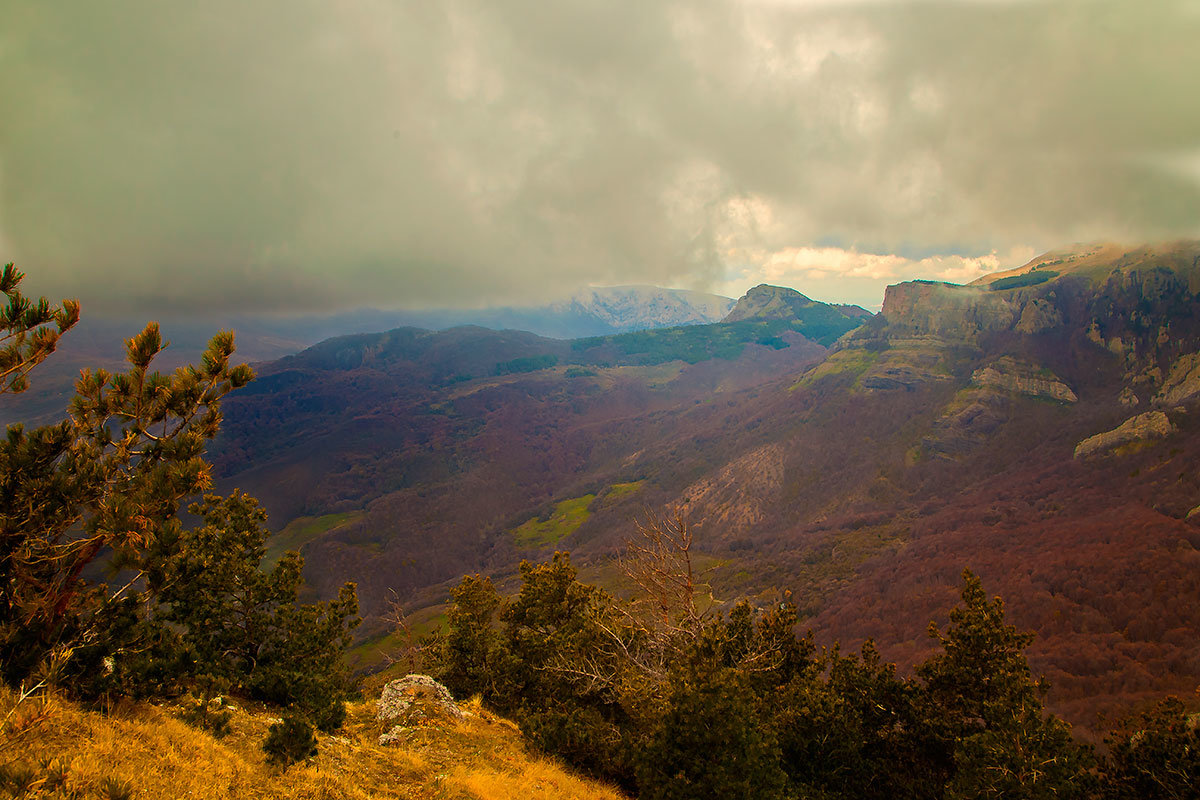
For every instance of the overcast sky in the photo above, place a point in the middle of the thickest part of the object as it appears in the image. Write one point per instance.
(309, 154)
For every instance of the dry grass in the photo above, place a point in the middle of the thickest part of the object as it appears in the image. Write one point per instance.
(149, 749)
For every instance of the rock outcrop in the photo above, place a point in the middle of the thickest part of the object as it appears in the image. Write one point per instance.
(947, 310)
(1142, 428)
(890, 376)
(966, 422)
(1182, 384)
(1009, 375)
(986, 404)
(412, 700)
(1039, 316)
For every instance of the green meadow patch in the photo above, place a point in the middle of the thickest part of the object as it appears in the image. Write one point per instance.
(619, 491)
(303, 530)
(565, 520)
(854, 361)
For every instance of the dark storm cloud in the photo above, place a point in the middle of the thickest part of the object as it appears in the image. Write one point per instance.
(315, 154)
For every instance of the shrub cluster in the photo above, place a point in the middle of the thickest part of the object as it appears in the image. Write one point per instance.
(736, 705)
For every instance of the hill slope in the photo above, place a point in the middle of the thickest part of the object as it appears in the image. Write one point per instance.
(149, 751)
(940, 434)
(98, 341)
(435, 454)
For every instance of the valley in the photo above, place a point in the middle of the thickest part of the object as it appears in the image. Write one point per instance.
(856, 471)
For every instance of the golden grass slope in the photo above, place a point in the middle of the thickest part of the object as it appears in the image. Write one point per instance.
(148, 749)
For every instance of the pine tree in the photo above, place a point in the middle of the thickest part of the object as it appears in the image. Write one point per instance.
(243, 627)
(1155, 753)
(110, 477)
(985, 708)
(466, 657)
(30, 330)
(109, 482)
(711, 743)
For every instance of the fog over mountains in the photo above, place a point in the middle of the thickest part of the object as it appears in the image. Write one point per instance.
(594, 311)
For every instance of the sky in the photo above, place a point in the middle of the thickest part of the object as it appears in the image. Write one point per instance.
(319, 155)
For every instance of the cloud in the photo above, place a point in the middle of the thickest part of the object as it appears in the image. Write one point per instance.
(306, 154)
(848, 275)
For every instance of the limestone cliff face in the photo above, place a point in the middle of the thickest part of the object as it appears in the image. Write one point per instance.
(988, 402)
(1142, 428)
(947, 310)
(1182, 384)
(1009, 375)
(1039, 316)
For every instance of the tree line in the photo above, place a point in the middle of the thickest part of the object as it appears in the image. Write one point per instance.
(672, 700)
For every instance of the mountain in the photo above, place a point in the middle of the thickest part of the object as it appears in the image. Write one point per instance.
(98, 340)
(633, 308)
(589, 312)
(414, 456)
(777, 302)
(1034, 426)
(819, 321)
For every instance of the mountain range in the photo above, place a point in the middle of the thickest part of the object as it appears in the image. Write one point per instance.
(1034, 426)
(98, 340)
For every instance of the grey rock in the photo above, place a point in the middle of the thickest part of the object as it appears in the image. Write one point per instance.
(1142, 428)
(1038, 316)
(1010, 375)
(414, 698)
(1182, 384)
(394, 736)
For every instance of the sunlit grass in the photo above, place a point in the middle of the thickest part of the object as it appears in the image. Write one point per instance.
(148, 748)
(619, 491)
(303, 530)
(565, 520)
(853, 361)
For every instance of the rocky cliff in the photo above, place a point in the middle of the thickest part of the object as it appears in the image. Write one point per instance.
(947, 310)
(1141, 428)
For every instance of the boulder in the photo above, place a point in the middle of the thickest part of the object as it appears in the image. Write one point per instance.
(414, 699)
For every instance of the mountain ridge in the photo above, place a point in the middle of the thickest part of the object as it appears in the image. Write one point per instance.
(99, 340)
(860, 478)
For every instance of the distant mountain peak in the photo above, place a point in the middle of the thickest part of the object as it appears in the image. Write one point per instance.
(629, 308)
(779, 302)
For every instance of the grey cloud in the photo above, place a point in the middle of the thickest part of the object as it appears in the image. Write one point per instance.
(304, 154)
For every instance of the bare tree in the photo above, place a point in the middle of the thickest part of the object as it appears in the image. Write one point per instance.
(658, 560)
(410, 650)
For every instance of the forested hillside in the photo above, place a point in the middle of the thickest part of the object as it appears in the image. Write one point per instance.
(990, 425)
(941, 434)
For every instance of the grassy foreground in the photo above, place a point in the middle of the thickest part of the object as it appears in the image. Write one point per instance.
(141, 750)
